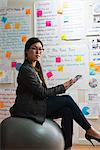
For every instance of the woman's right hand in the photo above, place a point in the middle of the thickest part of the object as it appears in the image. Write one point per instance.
(68, 83)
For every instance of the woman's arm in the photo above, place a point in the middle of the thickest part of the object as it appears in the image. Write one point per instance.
(28, 78)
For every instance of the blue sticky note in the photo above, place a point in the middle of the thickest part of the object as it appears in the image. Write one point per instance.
(92, 72)
(4, 19)
(18, 65)
(85, 110)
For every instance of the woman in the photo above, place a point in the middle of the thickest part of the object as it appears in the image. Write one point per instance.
(35, 101)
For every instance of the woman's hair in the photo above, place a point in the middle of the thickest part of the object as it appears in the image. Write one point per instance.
(28, 44)
(38, 67)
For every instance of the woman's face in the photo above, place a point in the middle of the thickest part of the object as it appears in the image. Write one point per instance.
(34, 52)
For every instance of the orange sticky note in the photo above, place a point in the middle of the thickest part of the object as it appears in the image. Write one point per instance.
(1, 73)
(8, 54)
(7, 26)
(17, 25)
(97, 68)
(24, 38)
(28, 11)
(2, 105)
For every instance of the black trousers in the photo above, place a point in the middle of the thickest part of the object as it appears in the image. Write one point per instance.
(64, 107)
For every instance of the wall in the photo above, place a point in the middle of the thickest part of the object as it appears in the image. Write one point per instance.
(68, 53)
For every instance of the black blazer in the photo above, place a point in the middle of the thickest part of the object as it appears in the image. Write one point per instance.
(31, 95)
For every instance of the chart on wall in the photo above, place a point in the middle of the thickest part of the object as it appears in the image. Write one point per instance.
(63, 62)
(56, 21)
(14, 30)
(94, 18)
(94, 62)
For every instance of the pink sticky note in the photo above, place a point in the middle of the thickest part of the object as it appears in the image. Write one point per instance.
(13, 64)
(58, 59)
(49, 74)
(39, 13)
(48, 23)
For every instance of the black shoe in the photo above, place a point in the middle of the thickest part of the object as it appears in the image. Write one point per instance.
(69, 148)
(89, 138)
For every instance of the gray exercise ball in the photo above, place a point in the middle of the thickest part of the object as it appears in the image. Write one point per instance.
(25, 134)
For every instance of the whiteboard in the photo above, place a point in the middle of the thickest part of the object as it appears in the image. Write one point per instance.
(63, 62)
(15, 29)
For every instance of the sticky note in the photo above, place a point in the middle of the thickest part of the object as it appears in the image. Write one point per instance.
(58, 59)
(7, 26)
(17, 25)
(28, 11)
(66, 19)
(65, 5)
(91, 65)
(92, 72)
(59, 11)
(2, 105)
(13, 64)
(48, 23)
(78, 58)
(18, 65)
(1, 73)
(39, 13)
(8, 54)
(97, 69)
(49, 74)
(63, 37)
(60, 68)
(4, 19)
(24, 38)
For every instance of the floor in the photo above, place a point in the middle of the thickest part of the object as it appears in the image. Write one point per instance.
(78, 147)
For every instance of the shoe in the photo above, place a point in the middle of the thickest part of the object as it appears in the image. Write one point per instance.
(69, 148)
(90, 137)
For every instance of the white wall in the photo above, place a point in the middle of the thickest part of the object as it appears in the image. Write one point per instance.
(78, 132)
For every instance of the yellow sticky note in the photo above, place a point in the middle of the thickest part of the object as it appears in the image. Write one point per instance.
(59, 11)
(60, 68)
(7, 26)
(63, 37)
(17, 25)
(91, 65)
(78, 58)
(65, 5)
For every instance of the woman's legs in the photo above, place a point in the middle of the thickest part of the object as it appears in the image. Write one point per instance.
(64, 107)
(57, 109)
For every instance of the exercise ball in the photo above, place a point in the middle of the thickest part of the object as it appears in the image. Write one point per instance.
(25, 134)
